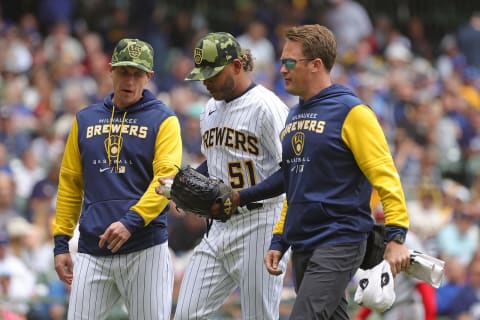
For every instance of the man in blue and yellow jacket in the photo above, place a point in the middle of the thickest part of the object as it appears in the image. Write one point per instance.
(114, 155)
(333, 152)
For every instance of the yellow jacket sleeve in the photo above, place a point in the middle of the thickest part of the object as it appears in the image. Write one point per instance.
(278, 228)
(167, 159)
(363, 135)
(70, 187)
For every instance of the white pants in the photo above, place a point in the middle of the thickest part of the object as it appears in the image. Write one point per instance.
(144, 279)
(231, 257)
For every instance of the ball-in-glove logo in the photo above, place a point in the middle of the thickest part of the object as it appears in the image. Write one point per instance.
(227, 206)
(298, 142)
(198, 55)
(134, 50)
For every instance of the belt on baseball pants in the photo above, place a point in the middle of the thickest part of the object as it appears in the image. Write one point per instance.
(254, 205)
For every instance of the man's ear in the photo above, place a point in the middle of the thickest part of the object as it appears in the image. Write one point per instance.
(238, 65)
(318, 63)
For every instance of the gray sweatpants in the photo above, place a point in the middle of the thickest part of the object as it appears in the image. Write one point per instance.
(321, 278)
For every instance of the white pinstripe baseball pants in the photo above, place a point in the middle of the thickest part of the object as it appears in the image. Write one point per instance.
(144, 279)
(232, 257)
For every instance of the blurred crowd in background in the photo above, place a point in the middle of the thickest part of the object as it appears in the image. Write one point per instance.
(425, 93)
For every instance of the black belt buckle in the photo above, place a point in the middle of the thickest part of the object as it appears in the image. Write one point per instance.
(254, 205)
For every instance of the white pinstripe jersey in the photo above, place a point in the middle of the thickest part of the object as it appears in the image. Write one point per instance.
(240, 138)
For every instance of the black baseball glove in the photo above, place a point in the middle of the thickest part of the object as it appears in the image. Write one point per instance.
(193, 192)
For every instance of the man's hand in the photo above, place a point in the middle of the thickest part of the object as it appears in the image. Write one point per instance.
(164, 181)
(271, 260)
(64, 267)
(397, 256)
(217, 207)
(115, 236)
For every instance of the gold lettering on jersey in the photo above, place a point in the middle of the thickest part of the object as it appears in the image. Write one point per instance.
(219, 135)
(252, 145)
(230, 138)
(316, 126)
(298, 142)
(127, 129)
(240, 141)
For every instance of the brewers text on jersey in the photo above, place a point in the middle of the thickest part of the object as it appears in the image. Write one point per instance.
(231, 138)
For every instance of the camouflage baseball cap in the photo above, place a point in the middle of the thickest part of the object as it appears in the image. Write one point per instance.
(212, 53)
(133, 53)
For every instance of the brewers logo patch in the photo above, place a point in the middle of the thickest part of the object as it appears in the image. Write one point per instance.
(198, 55)
(298, 142)
(134, 50)
(113, 145)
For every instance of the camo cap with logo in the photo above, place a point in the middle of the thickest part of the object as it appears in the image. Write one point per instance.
(133, 53)
(212, 53)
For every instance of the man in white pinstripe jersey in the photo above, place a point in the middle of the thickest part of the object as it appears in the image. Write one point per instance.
(240, 128)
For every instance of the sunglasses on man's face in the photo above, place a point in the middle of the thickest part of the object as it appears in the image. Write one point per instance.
(291, 63)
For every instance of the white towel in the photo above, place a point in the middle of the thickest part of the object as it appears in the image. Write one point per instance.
(426, 268)
(375, 288)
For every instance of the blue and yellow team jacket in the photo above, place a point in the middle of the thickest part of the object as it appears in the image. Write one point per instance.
(112, 161)
(334, 150)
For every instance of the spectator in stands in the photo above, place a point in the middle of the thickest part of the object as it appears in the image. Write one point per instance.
(255, 37)
(349, 22)
(73, 99)
(26, 172)
(60, 44)
(47, 145)
(455, 280)
(96, 60)
(450, 60)
(426, 216)
(15, 140)
(18, 58)
(21, 284)
(39, 95)
(43, 195)
(52, 11)
(4, 159)
(459, 238)
(7, 199)
(421, 46)
(466, 303)
(448, 134)
(472, 152)
(468, 36)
